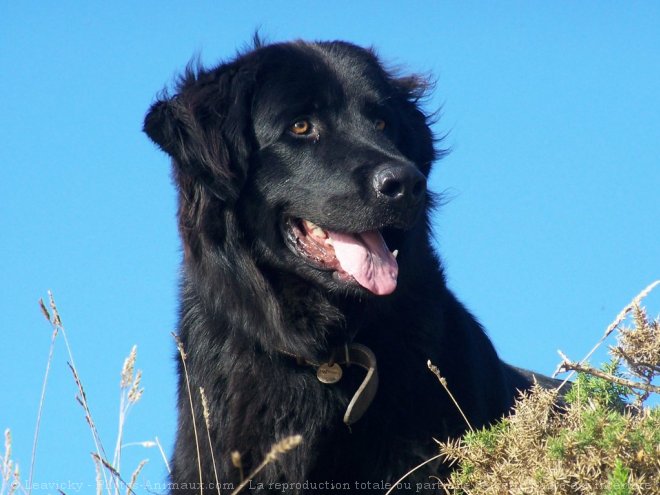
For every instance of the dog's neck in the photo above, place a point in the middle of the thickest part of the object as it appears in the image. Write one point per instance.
(303, 319)
(310, 311)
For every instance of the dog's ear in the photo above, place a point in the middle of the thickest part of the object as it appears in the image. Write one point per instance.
(205, 127)
(160, 125)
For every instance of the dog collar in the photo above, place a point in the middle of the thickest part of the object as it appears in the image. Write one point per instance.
(331, 371)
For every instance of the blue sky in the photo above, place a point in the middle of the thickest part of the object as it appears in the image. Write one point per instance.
(550, 228)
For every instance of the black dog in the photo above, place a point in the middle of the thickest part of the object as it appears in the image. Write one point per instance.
(303, 209)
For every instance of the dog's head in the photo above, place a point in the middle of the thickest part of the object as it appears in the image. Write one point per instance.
(311, 154)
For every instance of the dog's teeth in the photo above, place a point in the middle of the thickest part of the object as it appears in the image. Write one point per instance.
(315, 230)
(395, 253)
(309, 225)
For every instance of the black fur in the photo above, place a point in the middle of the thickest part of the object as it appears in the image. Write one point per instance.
(249, 302)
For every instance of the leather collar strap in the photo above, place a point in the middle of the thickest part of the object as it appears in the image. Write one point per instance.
(363, 357)
(348, 355)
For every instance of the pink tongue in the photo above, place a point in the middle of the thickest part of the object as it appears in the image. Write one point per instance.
(365, 256)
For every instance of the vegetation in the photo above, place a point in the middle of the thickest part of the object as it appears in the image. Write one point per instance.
(599, 437)
(110, 479)
(596, 435)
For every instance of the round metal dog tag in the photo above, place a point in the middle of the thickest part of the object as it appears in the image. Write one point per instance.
(329, 373)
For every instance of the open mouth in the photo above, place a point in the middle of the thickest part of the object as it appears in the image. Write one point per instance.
(361, 258)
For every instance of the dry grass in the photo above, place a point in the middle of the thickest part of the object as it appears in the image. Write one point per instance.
(443, 381)
(207, 423)
(11, 475)
(109, 479)
(277, 450)
(603, 440)
(184, 357)
(582, 449)
(598, 442)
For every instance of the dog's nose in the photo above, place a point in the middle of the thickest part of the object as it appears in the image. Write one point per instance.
(399, 182)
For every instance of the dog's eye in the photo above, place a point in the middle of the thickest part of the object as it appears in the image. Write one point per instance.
(301, 127)
(380, 124)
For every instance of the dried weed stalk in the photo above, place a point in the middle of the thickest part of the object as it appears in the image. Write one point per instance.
(207, 422)
(443, 381)
(184, 357)
(58, 328)
(107, 473)
(42, 398)
(9, 471)
(130, 393)
(638, 350)
(277, 450)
